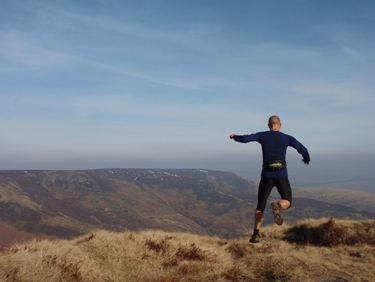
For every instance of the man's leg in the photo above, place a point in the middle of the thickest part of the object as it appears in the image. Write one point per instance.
(258, 219)
(264, 190)
(285, 191)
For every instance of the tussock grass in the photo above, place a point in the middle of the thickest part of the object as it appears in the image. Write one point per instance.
(312, 250)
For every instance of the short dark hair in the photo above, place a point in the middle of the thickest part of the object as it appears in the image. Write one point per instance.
(273, 120)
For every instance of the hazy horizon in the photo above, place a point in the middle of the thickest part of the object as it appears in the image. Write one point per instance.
(324, 173)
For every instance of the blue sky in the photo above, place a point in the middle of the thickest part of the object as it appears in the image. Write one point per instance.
(162, 84)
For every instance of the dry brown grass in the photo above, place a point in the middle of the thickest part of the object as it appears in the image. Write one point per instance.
(312, 250)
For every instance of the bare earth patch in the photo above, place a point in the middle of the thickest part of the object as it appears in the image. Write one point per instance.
(10, 236)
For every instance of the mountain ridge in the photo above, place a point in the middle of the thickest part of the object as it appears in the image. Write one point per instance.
(70, 203)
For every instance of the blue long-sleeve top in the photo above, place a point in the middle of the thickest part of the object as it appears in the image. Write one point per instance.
(274, 145)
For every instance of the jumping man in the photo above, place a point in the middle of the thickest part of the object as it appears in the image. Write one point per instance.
(274, 172)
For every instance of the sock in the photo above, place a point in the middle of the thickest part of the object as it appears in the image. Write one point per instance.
(256, 231)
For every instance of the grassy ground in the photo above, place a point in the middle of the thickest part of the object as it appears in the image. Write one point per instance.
(312, 250)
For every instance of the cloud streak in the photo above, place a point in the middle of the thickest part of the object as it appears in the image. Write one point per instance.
(18, 50)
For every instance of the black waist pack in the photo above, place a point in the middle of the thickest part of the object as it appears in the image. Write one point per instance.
(274, 164)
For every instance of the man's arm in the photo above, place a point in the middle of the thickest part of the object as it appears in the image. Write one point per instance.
(301, 150)
(245, 138)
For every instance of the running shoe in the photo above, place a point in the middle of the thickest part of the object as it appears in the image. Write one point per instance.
(278, 217)
(254, 238)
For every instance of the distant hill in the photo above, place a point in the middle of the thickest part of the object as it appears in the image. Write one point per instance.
(361, 201)
(356, 185)
(66, 204)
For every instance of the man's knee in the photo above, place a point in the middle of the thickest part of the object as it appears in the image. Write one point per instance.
(285, 204)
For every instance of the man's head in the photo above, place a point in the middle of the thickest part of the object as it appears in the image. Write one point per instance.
(274, 123)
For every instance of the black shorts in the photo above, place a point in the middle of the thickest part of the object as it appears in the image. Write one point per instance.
(265, 187)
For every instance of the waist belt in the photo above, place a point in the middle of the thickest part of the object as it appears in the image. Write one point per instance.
(274, 164)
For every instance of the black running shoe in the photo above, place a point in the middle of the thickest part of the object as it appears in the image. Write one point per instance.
(278, 217)
(254, 238)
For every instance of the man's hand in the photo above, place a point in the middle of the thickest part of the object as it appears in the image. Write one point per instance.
(232, 135)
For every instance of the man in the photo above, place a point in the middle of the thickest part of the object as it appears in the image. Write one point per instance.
(274, 172)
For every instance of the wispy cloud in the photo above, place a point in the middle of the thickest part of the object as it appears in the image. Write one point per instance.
(22, 51)
(337, 95)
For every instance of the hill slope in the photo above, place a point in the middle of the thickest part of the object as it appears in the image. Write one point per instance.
(358, 200)
(313, 250)
(71, 203)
